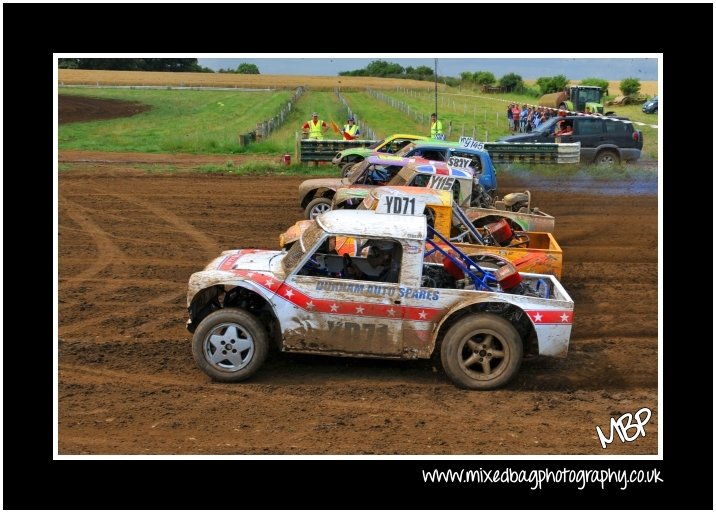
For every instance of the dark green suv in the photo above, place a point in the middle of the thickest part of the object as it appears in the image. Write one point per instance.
(604, 140)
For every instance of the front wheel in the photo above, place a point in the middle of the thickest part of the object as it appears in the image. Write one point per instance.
(317, 206)
(346, 169)
(607, 158)
(481, 352)
(230, 345)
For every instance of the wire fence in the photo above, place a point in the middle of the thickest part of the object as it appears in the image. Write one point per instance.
(266, 128)
(420, 117)
(485, 121)
(366, 131)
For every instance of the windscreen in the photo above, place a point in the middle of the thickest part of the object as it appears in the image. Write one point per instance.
(308, 240)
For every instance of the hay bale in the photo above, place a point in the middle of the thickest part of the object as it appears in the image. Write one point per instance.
(619, 100)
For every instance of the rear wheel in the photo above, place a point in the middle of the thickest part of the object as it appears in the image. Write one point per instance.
(230, 345)
(481, 352)
(317, 206)
(607, 158)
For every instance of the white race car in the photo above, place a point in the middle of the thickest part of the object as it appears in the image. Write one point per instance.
(386, 302)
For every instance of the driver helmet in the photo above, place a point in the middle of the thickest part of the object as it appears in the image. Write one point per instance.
(379, 249)
(374, 252)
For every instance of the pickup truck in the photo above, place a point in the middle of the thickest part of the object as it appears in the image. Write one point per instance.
(529, 251)
(305, 300)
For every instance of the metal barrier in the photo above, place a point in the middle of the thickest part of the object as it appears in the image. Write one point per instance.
(310, 150)
(535, 153)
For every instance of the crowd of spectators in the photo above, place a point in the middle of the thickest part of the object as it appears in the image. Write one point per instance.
(527, 118)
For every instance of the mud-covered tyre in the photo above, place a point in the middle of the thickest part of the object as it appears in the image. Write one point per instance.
(607, 158)
(317, 206)
(230, 345)
(346, 169)
(481, 352)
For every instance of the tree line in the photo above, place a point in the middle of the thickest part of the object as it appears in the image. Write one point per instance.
(122, 64)
(510, 82)
(176, 65)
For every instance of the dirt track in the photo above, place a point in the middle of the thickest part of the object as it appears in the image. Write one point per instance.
(128, 241)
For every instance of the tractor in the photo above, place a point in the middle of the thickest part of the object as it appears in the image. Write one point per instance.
(585, 99)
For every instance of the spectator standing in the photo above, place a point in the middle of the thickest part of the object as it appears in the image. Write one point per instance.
(351, 130)
(516, 117)
(314, 127)
(544, 115)
(528, 120)
(510, 120)
(436, 127)
(523, 118)
(536, 119)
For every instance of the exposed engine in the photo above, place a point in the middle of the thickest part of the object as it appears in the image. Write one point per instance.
(480, 197)
(501, 234)
(515, 202)
(435, 276)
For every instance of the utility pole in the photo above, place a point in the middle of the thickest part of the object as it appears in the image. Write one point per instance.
(436, 91)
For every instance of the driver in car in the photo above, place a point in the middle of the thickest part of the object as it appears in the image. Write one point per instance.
(378, 176)
(380, 258)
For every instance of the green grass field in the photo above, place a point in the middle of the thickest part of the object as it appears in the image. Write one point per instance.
(179, 121)
(210, 122)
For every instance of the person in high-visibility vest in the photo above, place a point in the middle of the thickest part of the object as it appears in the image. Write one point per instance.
(436, 128)
(314, 127)
(351, 130)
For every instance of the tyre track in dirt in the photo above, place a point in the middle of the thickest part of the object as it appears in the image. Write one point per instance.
(170, 299)
(163, 215)
(127, 355)
(106, 248)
